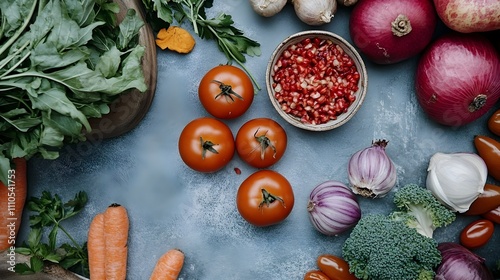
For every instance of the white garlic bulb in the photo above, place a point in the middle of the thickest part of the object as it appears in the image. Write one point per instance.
(267, 8)
(315, 12)
(456, 179)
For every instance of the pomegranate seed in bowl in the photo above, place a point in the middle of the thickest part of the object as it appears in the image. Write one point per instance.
(316, 80)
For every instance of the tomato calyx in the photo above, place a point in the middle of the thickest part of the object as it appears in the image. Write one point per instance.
(226, 91)
(264, 143)
(268, 198)
(207, 146)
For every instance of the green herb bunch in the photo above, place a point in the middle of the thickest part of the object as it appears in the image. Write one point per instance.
(50, 214)
(230, 40)
(62, 62)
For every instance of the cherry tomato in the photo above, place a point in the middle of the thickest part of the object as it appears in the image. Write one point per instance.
(261, 142)
(494, 122)
(265, 198)
(315, 275)
(489, 150)
(488, 200)
(493, 215)
(477, 233)
(226, 92)
(334, 267)
(206, 144)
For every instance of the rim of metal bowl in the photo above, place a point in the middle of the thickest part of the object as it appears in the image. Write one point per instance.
(349, 49)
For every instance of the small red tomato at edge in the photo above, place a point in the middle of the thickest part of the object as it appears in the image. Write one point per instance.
(315, 275)
(334, 267)
(477, 234)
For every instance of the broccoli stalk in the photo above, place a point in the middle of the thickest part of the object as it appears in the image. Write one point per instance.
(380, 248)
(419, 209)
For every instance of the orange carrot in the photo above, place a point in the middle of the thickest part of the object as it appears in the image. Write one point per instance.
(116, 227)
(12, 199)
(168, 266)
(96, 247)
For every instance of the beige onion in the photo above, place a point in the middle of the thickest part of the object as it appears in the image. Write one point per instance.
(267, 8)
(315, 12)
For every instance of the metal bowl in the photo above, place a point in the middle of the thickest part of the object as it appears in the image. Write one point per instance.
(348, 49)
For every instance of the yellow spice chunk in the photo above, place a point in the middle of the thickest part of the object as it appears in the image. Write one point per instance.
(176, 39)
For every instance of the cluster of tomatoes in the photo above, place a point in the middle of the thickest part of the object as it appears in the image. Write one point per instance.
(207, 144)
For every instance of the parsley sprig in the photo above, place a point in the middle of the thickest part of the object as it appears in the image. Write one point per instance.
(50, 213)
(230, 40)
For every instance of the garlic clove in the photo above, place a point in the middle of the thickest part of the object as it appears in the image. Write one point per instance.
(456, 179)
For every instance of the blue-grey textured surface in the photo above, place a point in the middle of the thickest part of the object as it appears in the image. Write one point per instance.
(172, 206)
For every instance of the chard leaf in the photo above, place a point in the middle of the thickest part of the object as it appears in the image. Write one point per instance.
(63, 124)
(129, 28)
(109, 63)
(22, 124)
(4, 165)
(46, 56)
(81, 11)
(55, 99)
(51, 137)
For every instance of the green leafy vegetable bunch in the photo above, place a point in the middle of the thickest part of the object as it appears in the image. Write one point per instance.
(50, 212)
(230, 40)
(62, 62)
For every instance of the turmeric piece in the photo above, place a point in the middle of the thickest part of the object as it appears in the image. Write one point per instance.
(175, 38)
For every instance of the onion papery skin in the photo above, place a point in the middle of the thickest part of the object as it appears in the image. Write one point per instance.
(458, 78)
(371, 30)
(333, 208)
(467, 16)
(458, 263)
(371, 172)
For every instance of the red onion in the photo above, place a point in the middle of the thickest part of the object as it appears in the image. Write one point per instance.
(389, 31)
(458, 78)
(371, 172)
(333, 208)
(468, 16)
(460, 264)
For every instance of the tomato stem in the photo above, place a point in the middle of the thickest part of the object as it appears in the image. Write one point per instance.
(207, 146)
(268, 198)
(226, 91)
(264, 142)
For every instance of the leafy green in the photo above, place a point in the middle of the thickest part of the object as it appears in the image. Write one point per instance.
(50, 213)
(230, 40)
(61, 63)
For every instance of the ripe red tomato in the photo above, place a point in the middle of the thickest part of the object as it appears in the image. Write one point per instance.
(315, 275)
(226, 92)
(334, 267)
(477, 234)
(261, 142)
(493, 215)
(206, 144)
(265, 198)
(486, 201)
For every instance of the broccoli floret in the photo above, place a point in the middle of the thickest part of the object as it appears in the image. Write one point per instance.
(419, 209)
(381, 248)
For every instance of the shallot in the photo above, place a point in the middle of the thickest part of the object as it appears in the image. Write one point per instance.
(333, 208)
(371, 172)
